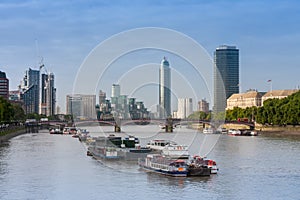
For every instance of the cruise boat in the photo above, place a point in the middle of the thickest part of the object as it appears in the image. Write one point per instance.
(160, 164)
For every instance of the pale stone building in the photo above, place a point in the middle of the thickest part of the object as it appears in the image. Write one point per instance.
(279, 94)
(244, 100)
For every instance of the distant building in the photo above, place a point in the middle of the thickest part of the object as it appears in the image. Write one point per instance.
(203, 106)
(4, 85)
(244, 100)
(81, 106)
(164, 89)
(226, 75)
(48, 95)
(30, 89)
(115, 90)
(185, 107)
(279, 94)
(102, 97)
(14, 95)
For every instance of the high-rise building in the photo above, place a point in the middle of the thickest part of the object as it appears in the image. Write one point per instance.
(115, 90)
(30, 89)
(102, 97)
(48, 95)
(81, 106)
(4, 85)
(203, 106)
(185, 107)
(226, 75)
(164, 89)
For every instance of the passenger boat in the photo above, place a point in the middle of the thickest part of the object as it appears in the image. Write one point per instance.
(164, 165)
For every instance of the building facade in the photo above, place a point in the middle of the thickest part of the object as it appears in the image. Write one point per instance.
(185, 108)
(164, 89)
(81, 106)
(279, 94)
(226, 75)
(203, 106)
(115, 90)
(4, 85)
(30, 89)
(48, 95)
(244, 100)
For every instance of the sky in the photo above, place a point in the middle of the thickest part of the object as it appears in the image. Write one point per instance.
(64, 33)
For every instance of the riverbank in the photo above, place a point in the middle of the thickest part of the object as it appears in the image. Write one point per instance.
(278, 130)
(11, 134)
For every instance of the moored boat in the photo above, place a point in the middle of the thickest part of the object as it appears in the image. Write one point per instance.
(160, 164)
(234, 132)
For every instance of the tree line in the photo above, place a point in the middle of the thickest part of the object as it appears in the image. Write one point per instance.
(10, 111)
(275, 111)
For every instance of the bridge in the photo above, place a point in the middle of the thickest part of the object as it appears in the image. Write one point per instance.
(168, 124)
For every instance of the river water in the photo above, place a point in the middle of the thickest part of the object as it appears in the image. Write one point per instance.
(44, 166)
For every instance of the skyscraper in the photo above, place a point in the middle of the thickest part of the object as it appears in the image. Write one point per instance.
(4, 85)
(115, 90)
(30, 87)
(164, 89)
(48, 99)
(226, 75)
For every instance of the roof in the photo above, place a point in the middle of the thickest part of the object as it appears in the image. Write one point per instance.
(250, 94)
(283, 93)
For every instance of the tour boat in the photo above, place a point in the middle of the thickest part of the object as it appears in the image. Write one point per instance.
(160, 164)
(208, 131)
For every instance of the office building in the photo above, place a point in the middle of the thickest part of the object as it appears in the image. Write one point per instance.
(81, 106)
(102, 97)
(164, 89)
(48, 95)
(185, 108)
(115, 90)
(203, 106)
(226, 75)
(4, 85)
(30, 89)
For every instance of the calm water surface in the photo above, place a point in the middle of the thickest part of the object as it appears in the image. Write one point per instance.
(44, 166)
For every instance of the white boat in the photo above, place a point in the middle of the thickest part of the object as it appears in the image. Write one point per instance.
(208, 131)
(234, 132)
(176, 151)
(158, 145)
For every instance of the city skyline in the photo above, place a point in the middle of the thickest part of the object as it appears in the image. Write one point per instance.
(64, 35)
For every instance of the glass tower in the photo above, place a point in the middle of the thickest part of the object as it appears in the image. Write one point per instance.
(164, 89)
(226, 75)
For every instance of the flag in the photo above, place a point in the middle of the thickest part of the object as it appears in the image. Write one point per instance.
(269, 80)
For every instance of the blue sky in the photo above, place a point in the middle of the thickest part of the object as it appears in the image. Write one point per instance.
(266, 32)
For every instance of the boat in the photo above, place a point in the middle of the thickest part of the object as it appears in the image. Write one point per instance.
(55, 131)
(70, 130)
(249, 133)
(161, 164)
(174, 150)
(128, 149)
(208, 131)
(234, 132)
(159, 145)
(206, 163)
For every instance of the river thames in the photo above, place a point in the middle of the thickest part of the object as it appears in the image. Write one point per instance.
(44, 166)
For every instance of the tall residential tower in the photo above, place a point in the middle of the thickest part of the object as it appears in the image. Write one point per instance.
(226, 75)
(164, 89)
